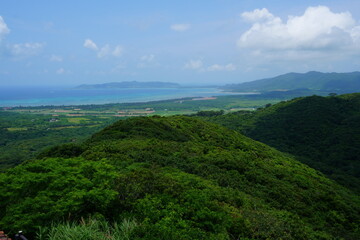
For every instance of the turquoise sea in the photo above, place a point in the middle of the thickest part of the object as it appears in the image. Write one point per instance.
(41, 96)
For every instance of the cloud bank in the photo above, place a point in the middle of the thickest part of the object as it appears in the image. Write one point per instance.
(317, 29)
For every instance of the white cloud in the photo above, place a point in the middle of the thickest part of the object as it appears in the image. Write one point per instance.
(147, 61)
(198, 65)
(147, 58)
(3, 28)
(317, 29)
(117, 52)
(104, 51)
(257, 15)
(119, 68)
(48, 26)
(60, 71)
(25, 49)
(55, 58)
(18, 50)
(90, 44)
(180, 27)
(194, 64)
(217, 67)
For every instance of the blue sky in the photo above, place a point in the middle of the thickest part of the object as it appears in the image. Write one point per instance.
(189, 42)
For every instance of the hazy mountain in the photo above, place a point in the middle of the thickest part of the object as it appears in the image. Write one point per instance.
(330, 82)
(132, 84)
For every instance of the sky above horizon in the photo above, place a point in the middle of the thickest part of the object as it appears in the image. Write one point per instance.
(188, 42)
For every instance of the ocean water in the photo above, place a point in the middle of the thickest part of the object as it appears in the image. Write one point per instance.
(42, 96)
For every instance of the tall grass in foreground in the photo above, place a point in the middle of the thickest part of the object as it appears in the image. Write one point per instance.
(88, 230)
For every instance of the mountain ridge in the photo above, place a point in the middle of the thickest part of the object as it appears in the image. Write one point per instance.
(313, 80)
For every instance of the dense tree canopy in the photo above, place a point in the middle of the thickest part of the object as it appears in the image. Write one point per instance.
(323, 132)
(178, 178)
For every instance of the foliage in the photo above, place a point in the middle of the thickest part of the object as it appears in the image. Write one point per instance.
(180, 178)
(90, 229)
(323, 132)
(209, 113)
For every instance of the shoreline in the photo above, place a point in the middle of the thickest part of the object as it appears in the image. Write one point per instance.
(195, 98)
(109, 103)
(94, 100)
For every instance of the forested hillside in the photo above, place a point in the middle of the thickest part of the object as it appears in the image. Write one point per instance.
(177, 178)
(323, 132)
(330, 82)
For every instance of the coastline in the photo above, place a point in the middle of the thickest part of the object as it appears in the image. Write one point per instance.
(70, 97)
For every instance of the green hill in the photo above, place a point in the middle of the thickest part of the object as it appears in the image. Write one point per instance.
(177, 178)
(328, 82)
(323, 132)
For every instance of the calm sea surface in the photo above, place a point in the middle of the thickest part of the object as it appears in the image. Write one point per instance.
(38, 96)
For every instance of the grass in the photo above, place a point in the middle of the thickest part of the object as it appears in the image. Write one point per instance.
(90, 229)
(77, 120)
(14, 129)
(58, 128)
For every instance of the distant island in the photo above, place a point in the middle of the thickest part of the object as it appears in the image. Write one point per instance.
(312, 81)
(130, 84)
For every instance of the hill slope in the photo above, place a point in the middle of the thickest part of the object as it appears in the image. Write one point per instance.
(329, 82)
(179, 178)
(323, 132)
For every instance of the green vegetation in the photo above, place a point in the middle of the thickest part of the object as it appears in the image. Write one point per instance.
(24, 132)
(316, 81)
(323, 132)
(23, 136)
(176, 178)
(88, 230)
